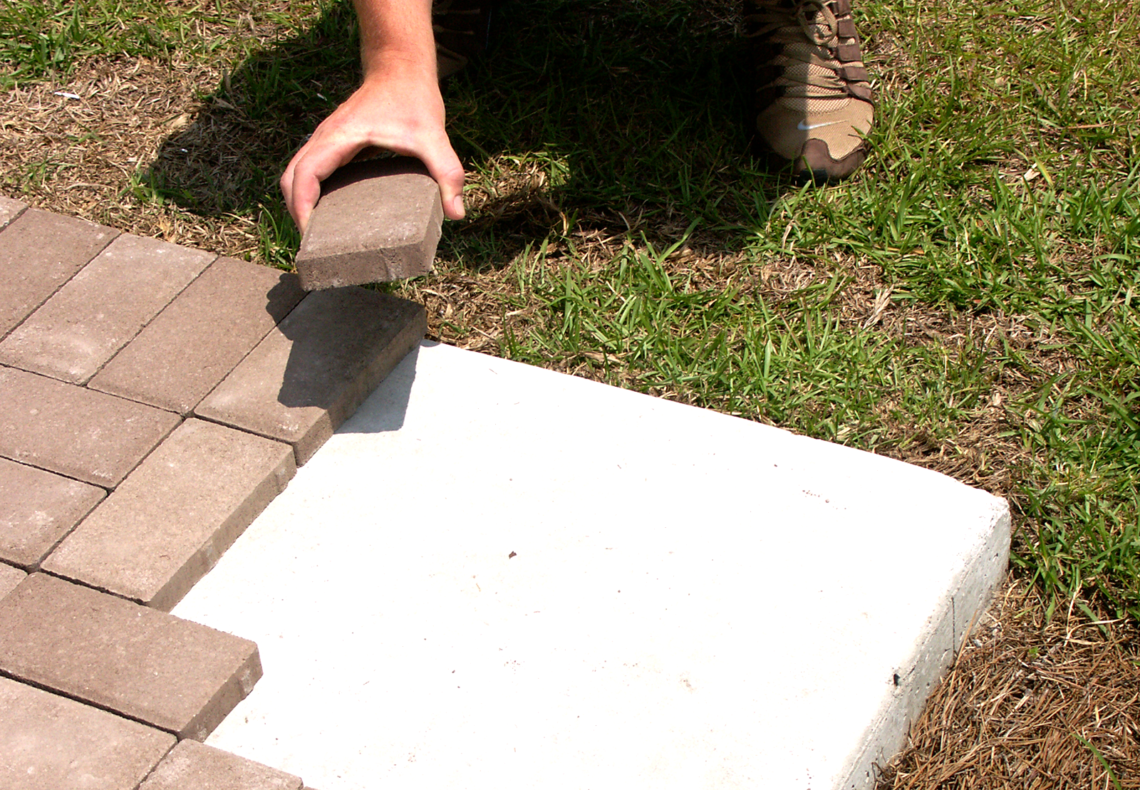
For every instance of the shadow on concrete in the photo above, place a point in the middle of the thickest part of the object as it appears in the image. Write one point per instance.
(385, 409)
(333, 333)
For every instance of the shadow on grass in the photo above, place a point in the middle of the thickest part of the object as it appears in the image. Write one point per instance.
(615, 115)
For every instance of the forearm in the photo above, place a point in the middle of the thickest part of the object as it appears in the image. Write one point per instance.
(395, 29)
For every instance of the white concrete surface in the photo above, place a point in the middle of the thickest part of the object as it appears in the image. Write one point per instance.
(499, 577)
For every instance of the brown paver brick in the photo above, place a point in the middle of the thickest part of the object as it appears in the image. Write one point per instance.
(311, 372)
(39, 252)
(48, 742)
(148, 665)
(9, 210)
(90, 436)
(376, 221)
(102, 308)
(10, 578)
(39, 509)
(199, 338)
(193, 766)
(167, 524)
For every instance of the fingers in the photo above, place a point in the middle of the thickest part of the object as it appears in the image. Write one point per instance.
(399, 109)
(301, 182)
(316, 161)
(445, 167)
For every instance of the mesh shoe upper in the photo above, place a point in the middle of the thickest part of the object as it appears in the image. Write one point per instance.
(814, 101)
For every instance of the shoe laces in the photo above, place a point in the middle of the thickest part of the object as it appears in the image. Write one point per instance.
(801, 38)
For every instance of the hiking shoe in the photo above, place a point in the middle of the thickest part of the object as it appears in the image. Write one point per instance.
(462, 31)
(814, 102)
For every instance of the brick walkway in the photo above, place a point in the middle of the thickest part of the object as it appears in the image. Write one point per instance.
(153, 400)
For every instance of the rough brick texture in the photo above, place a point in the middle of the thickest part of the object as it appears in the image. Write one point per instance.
(102, 307)
(194, 766)
(39, 253)
(48, 742)
(312, 371)
(38, 510)
(10, 578)
(78, 433)
(167, 524)
(147, 665)
(9, 210)
(199, 338)
(376, 221)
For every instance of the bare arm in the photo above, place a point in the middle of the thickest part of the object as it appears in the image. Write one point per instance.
(398, 107)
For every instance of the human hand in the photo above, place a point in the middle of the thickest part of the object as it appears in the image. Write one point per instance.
(398, 108)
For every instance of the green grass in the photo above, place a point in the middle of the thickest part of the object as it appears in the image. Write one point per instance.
(622, 230)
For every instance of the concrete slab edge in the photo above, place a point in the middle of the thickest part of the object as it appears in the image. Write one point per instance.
(937, 648)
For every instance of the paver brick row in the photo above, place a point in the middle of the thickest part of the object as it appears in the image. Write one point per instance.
(201, 336)
(9, 210)
(73, 431)
(48, 742)
(376, 221)
(10, 578)
(38, 509)
(193, 766)
(167, 524)
(317, 366)
(39, 252)
(117, 655)
(73, 334)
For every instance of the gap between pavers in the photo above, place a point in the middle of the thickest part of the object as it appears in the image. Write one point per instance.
(101, 309)
(497, 576)
(166, 525)
(135, 661)
(50, 742)
(39, 252)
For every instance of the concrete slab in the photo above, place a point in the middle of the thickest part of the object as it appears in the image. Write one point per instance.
(316, 366)
(166, 525)
(102, 307)
(495, 576)
(192, 766)
(40, 508)
(49, 742)
(42, 251)
(138, 662)
(201, 336)
(74, 431)
(377, 221)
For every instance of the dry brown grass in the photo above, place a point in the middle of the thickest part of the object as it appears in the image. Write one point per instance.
(1030, 704)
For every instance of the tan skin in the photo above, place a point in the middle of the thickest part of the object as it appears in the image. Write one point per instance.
(398, 107)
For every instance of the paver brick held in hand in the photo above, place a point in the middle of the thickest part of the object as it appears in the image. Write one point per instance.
(167, 524)
(74, 431)
(10, 579)
(102, 307)
(145, 664)
(193, 766)
(39, 252)
(376, 221)
(198, 339)
(317, 366)
(9, 210)
(48, 742)
(39, 509)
